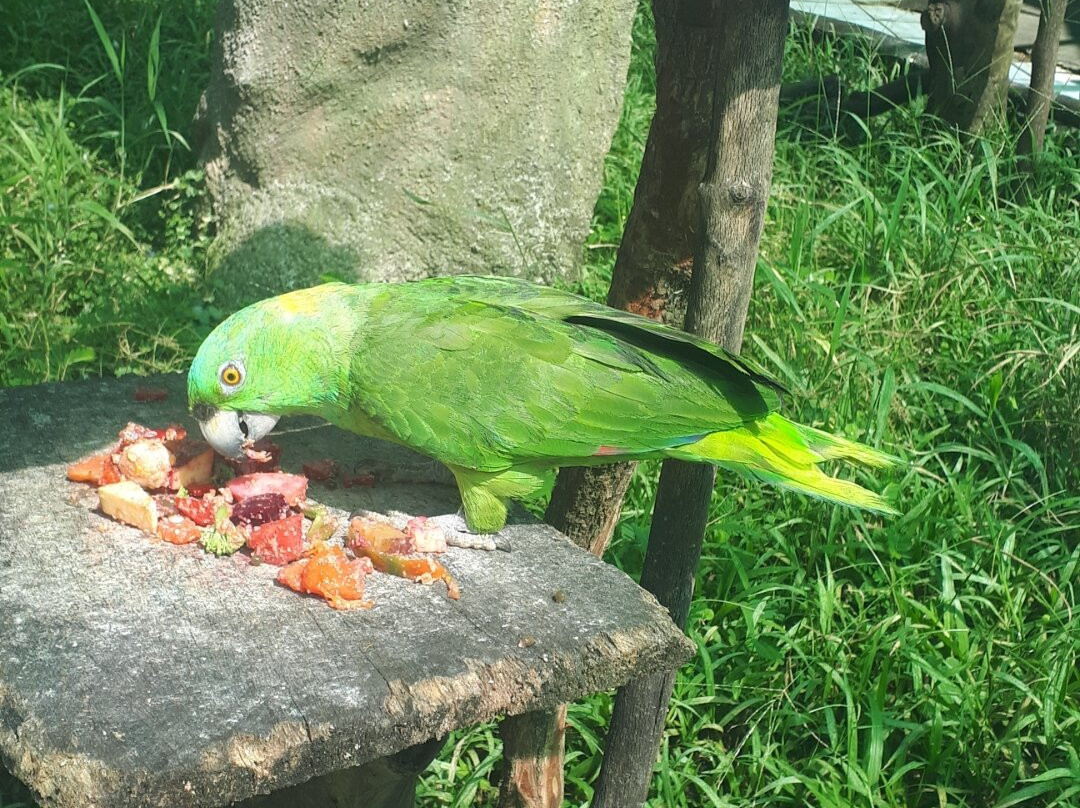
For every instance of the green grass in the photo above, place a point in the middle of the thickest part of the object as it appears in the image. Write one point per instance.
(103, 239)
(904, 298)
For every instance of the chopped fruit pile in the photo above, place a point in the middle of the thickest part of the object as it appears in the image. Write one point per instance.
(163, 483)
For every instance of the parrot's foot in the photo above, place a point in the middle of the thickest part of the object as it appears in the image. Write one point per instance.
(451, 525)
(458, 534)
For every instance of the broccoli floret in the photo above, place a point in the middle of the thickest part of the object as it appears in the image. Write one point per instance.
(224, 538)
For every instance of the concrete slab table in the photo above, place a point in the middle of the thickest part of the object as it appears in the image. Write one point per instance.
(134, 672)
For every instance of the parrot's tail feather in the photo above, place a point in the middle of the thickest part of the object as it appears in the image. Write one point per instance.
(787, 454)
(833, 447)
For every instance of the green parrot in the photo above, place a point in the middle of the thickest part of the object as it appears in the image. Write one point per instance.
(505, 381)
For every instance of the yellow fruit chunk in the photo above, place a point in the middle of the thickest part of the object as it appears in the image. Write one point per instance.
(127, 502)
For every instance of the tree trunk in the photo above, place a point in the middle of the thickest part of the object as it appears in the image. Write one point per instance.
(1043, 67)
(750, 39)
(969, 44)
(651, 277)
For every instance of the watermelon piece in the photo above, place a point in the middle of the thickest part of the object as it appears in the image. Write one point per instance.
(291, 486)
(200, 511)
(278, 542)
(427, 535)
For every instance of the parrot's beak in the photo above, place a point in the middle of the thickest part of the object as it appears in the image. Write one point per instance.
(229, 432)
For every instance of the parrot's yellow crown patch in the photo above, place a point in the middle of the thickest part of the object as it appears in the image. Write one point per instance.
(302, 301)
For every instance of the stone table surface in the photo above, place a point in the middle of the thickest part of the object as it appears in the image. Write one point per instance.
(134, 672)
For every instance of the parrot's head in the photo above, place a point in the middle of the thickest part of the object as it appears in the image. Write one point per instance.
(276, 357)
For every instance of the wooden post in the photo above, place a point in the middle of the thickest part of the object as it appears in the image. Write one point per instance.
(1043, 66)
(733, 195)
(651, 277)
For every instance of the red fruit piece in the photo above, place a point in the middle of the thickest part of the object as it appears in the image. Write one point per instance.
(261, 456)
(178, 529)
(199, 490)
(426, 535)
(260, 509)
(151, 394)
(133, 432)
(171, 432)
(321, 469)
(199, 511)
(291, 486)
(278, 542)
(100, 469)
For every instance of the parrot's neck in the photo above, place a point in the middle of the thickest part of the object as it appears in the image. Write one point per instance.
(344, 317)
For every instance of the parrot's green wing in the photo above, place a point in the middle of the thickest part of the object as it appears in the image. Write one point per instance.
(488, 373)
(633, 328)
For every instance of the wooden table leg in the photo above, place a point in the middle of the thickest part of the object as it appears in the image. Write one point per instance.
(388, 782)
(533, 755)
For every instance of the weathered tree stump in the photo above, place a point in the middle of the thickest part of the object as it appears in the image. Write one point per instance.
(137, 673)
(969, 47)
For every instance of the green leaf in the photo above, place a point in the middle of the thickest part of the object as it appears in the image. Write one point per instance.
(942, 390)
(419, 200)
(95, 208)
(153, 64)
(106, 42)
(84, 353)
(994, 385)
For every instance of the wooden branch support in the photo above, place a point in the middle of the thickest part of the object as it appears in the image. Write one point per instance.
(733, 195)
(388, 782)
(533, 751)
(1043, 68)
(651, 276)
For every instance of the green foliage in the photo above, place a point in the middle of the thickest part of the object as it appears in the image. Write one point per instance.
(901, 294)
(103, 237)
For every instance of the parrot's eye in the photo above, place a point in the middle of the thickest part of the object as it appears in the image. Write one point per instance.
(231, 375)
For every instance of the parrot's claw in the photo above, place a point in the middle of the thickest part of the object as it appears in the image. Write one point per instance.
(458, 534)
(452, 525)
